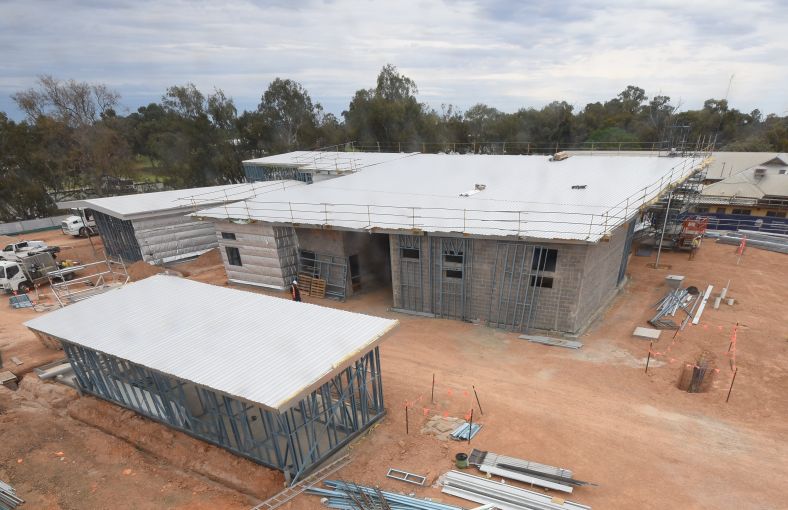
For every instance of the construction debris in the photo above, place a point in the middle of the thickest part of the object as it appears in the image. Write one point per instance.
(503, 496)
(350, 496)
(558, 342)
(404, 476)
(461, 432)
(441, 426)
(525, 471)
(8, 498)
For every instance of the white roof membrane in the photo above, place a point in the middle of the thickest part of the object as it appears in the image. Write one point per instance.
(580, 198)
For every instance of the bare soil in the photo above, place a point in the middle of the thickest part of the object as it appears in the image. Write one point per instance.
(595, 410)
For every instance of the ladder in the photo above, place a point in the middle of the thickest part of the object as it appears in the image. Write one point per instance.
(291, 492)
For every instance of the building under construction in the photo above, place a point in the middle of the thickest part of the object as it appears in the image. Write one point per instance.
(291, 384)
(156, 228)
(517, 242)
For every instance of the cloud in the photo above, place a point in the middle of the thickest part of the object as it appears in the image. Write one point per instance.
(505, 53)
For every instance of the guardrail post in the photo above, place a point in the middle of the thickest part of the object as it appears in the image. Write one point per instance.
(413, 217)
(519, 216)
(290, 205)
(463, 221)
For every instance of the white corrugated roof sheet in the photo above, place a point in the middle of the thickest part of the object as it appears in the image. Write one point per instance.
(142, 204)
(524, 196)
(259, 348)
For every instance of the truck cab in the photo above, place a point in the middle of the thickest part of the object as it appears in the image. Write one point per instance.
(80, 224)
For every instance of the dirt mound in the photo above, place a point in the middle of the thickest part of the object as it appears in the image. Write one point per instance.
(208, 260)
(177, 448)
(141, 270)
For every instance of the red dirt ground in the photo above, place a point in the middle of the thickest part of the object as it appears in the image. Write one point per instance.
(646, 443)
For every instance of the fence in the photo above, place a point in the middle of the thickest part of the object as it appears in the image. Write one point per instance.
(34, 225)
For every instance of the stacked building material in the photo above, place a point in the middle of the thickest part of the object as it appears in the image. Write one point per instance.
(349, 496)
(503, 496)
(525, 471)
(8, 498)
(461, 432)
(771, 242)
(674, 300)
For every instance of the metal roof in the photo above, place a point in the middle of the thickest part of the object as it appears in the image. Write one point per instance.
(328, 161)
(745, 184)
(144, 204)
(258, 348)
(524, 196)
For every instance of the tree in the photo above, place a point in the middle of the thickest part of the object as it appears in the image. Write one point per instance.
(71, 102)
(287, 108)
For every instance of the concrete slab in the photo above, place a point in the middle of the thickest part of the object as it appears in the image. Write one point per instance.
(651, 334)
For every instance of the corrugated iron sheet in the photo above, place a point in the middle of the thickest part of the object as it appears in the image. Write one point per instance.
(259, 348)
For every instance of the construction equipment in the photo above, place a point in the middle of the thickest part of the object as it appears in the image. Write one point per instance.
(8, 498)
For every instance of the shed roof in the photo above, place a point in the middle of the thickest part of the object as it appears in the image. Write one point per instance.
(144, 204)
(258, 348)
(526, 196)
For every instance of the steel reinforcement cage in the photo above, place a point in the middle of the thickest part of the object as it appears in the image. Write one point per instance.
(295, 441)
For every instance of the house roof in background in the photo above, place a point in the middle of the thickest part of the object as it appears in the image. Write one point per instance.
(144, 204)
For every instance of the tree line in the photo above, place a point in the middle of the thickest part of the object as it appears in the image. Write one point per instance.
(74, 137)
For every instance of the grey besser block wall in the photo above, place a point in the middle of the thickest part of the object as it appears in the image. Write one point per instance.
(329, 242)
(556, 307)
(173, 236)
(261, 257)
(600, 276)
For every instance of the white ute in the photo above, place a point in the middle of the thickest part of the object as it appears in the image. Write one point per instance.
(79, 224)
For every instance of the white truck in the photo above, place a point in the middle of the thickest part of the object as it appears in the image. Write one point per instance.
(22, 249)
(80, 224)
(23, 274)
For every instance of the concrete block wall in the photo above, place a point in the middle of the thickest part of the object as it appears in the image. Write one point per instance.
(600, 276)
(262, 258)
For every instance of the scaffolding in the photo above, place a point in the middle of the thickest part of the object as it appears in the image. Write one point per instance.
(94, 278)
(295, 441)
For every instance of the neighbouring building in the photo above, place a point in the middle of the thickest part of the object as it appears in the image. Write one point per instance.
(752, 198)
(517, 242)
(284, 384)
(156, 228)
(314, 166)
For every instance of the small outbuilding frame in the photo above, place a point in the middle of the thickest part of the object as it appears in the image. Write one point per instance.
(284, 384)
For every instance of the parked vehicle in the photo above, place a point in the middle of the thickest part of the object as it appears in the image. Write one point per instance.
(23, 274)
(22, 249)
(80, 224)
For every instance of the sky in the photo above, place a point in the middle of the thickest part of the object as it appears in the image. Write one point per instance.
(507, 54)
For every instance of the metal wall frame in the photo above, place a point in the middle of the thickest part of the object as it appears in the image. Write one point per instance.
(327, 267)
(294, 441)
(513, 295)
(411, 273)
(451, 295)
(118, 237)
(287, 251)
